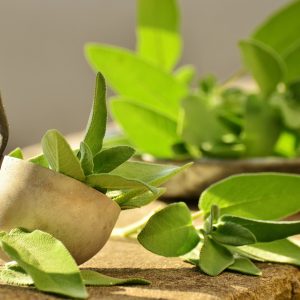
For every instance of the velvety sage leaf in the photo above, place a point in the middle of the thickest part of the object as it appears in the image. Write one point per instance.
(262, 126)
(292, 60)
(214, 258)
(265, 231)
(97, 122)
(95, 278)
(138, 198)
(153, 174)
(185, 74)
(264, 63)
(230, 233)
(252, 196)
(281, 251)
(212, 219)
(86, 159)
(15, 276)
(17, 153)
(60, 155)
(40, 160)
(109, 159)
(133, 78)
(280, 30)
(115, 182)
(158, 38)
(245, 266)
(170, 231)
(199, 123)
(151, 125)
(46, 260)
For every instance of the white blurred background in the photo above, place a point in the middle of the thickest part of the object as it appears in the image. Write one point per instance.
(44, 79)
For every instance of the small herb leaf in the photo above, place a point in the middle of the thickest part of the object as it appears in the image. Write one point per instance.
(40, 160)
(15, 276)
(245, 266)
(86, 159)
(17, 153)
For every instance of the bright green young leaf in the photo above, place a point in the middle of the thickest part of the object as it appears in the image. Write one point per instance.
(46, 260)
(153, 174)
(282, 251)
(97, 122)
(86, 159)
(60, 155)
(17, 153)
(214, 258)
(170, 231)
(145, 126)
(252, 196)
(264, 231)
(292, 60)
(230, 233)
(109, 159)
(95, 278)
(40, 160)
(245, 266)
(264, 63)
(212, 219)
(133, 78)
(185, 74)
(158, 36)
(15, 276)
(286, 145)
(262, 127)
(280, 30)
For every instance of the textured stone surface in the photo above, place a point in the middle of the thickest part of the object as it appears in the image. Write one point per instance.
(173, 279)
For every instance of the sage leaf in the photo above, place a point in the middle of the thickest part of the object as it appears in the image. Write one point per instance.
(46, 260)
(97, 122)
(108, 159)
(252, 195)
(231, 233)
(185, 74)
(152, 126)
(60, 155)
(158, 38)
(17, 153)
(292, 59)
(265, 231)
(133, 78)
(245, 266)
(40, 160)
(86, 159)
(212, 218)
(266, 66)
(97, 279)
(170, 231)
(15, 276)
(214, 258)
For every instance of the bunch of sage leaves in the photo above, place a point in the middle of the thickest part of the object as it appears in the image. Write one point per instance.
(242, 223)
(206, 119)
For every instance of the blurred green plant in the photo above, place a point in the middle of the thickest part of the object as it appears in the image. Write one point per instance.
(194, 118)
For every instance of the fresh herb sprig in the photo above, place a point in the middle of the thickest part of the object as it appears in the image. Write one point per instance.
(208, 118)
(131, 184)
(240, 225)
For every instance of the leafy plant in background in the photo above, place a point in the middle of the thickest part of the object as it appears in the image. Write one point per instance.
(240, 225)
(43, 261)
(207, 119)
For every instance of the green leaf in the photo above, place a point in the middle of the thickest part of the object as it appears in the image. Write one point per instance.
(15, 276)
(46, 260)
(264, 63)
(153, 174)
(151, 125)
(185, 74)
(86, 159)
(262, 127)
(40, 160)
(214, 258)
(115, 182)
(230, 233)
(281, 251)
(265, 231)
(245, 266)
(133, 78)
(281, 29)
(292, 60)
(252, 196)
(286, 145)
(17, 153)
(60, 155)
(109, 159)
(97, 122)
(170, 231)
(158, 36)
(95, 278)
(212, 219)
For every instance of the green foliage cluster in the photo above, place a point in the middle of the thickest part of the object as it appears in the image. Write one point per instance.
(193, 118)
(131, 184)
(242, 223)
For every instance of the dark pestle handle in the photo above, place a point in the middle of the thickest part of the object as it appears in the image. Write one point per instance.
(4, 132)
